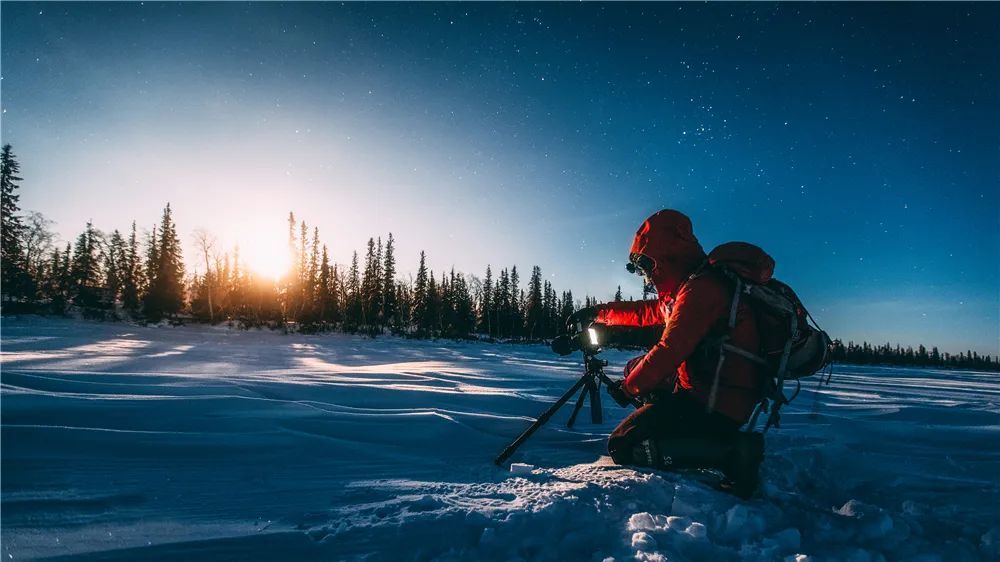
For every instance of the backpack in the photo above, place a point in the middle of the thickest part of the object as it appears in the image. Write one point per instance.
(792, 345)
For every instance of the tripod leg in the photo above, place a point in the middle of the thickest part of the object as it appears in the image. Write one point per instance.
(578, 407)
(539, 422)
(596, 411)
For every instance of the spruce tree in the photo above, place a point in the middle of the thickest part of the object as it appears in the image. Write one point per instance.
(448, 319)
(312, 292)
(502, 305)
(464, 309)
(292, 281)
(324, 309)
(57, 284)
(305, 290)
(377, 288)
(85, 271)
(486, 305)
(336, 295)
(352, 316)
(404, 306)
(533, 311)
(369, 287)
(114, 265)
(66, 272)
(516, 319)
(132, 279)
(166, 289)
(420, 298)
(171, 256)
(389, 290)
(14, 278)
(549, 311)
(433, 307)
(566, 308)
(343, 303)
(153, 259)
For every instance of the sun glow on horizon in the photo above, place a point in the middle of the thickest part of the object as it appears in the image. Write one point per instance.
(265, 255)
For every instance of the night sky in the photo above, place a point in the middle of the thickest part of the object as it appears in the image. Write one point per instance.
(857, 143)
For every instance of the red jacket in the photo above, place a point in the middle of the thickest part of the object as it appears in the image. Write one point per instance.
(690, 310)
(701, 309)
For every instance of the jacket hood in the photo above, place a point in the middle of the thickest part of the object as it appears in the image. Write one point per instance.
(668, 239)
(746, 260)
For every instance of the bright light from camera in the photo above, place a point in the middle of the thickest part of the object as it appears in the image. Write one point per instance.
(593, 337)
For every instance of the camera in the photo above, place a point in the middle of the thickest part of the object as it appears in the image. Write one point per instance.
(587, 340)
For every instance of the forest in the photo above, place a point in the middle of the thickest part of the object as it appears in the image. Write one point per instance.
(142, 277)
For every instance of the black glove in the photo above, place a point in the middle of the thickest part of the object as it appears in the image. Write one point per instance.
(585, 317)
(624, 399)
(564, 345)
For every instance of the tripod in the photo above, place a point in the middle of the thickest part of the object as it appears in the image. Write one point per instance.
(590, 383)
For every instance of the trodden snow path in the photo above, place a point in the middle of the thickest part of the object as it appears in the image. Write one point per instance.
(124, 442)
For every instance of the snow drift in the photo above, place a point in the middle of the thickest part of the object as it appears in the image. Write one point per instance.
(123, 442)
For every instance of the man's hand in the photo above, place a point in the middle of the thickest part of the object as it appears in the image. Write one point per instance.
(617, 391)
(585, 317)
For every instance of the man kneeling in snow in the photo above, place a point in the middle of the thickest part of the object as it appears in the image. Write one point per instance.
(691, 416)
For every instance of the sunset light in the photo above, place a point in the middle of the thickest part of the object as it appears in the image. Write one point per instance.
(265, 254)
(314, 280)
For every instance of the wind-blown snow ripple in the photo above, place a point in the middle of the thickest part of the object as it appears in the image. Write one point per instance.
(124, 442)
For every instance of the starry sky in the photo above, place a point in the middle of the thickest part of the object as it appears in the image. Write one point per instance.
(857, 143)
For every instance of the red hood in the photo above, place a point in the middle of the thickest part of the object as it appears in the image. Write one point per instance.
(668, 239)
(747, 260)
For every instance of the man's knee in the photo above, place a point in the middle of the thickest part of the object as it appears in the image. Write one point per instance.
(643, 453)
(618, 449)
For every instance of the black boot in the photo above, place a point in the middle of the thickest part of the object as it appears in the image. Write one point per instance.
(742, 467)
(682, 453)
(738, 457)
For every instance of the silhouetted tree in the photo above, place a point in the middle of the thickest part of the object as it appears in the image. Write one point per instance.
(85, 273)
(421, 313)
(389, 289)
(370, 292)
(114, 265)
(486, 305)
(352, 314)
(166, 285)
(534, 313)
(133, 279)
(15, 281)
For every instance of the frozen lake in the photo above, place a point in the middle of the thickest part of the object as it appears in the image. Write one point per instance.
(122, 442)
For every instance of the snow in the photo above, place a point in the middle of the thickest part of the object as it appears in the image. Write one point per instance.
(122, 442)
(521, 468)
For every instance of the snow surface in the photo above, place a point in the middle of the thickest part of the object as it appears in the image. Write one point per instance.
(129, 443)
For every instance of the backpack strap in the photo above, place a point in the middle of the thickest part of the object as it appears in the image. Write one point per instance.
(779, 379)
(744, 353)
(723, 340)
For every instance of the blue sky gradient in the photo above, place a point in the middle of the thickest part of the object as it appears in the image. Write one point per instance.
(857, 143)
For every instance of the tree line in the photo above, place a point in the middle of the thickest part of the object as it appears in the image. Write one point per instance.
(886, 354)
(143, 277)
